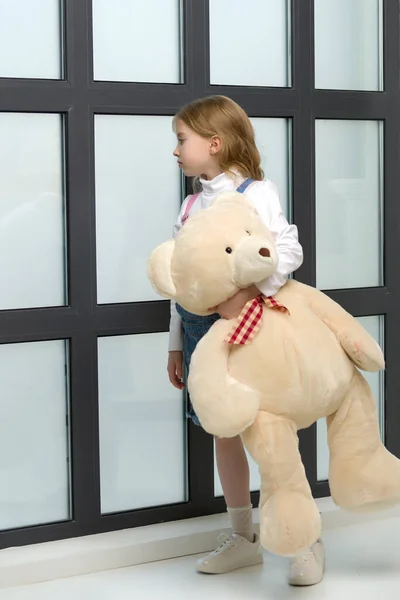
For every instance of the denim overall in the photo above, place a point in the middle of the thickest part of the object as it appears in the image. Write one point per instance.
(195, 327)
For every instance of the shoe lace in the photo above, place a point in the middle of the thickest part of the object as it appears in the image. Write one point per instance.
(225, 543)
(305, 558)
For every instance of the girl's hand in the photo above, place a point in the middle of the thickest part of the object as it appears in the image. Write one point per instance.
(175, 368)
(231, 309)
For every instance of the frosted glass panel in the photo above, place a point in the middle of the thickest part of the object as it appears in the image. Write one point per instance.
(349, 204)
(135, 209)
(34, 436)
(254, 477)
(30, 39)
(375, 327)
(142, 425)
(137, 41)
(273, 141)
(348, 44)
(32, 207)
(249, 42)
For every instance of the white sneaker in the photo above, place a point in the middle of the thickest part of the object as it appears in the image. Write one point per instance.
(234, 553)
(308, 568)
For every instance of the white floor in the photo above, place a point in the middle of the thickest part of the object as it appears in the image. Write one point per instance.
(363, 561)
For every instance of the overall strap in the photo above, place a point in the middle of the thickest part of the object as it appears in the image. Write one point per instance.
(188, 208)
(243, 186)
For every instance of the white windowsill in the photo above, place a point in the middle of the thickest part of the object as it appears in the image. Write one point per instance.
(95, 553)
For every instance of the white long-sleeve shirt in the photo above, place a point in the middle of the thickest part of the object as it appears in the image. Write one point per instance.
(265, 198)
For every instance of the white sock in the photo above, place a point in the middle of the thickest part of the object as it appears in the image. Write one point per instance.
(242, 521)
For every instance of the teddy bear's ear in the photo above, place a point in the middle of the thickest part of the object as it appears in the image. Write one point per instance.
(159, 269)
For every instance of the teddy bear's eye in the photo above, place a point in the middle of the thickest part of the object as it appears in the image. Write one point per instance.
(228, 250)
(248, 232)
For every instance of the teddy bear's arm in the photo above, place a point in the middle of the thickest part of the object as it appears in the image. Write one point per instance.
(360, 347)
(224, 406)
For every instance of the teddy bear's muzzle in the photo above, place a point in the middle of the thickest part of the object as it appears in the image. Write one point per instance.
(254, 260)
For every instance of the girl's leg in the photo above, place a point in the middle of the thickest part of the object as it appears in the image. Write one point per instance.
(233, 470)
(242, 549)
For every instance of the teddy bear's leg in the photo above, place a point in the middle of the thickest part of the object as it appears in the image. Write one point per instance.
(289, 518)
(364, 476)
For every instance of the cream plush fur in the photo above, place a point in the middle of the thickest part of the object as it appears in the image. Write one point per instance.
(299, 368)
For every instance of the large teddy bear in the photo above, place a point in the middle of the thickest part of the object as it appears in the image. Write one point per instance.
(301, 365)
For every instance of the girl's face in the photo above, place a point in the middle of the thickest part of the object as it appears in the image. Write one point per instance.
(196, 155)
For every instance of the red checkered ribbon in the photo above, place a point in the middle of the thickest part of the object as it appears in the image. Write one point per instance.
(249, 320)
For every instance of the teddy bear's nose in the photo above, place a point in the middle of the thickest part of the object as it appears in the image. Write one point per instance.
(264, 252)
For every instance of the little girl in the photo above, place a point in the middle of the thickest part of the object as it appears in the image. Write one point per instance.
(216, 144)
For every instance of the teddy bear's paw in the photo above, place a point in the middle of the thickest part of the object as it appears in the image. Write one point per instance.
(227, 410)
(289, 523)
(366, 485)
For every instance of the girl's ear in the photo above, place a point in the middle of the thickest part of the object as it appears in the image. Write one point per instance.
(215, 145)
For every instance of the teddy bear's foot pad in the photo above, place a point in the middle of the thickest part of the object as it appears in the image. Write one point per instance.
(289, 523)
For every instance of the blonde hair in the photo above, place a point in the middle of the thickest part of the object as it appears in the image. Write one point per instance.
(221, 116)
